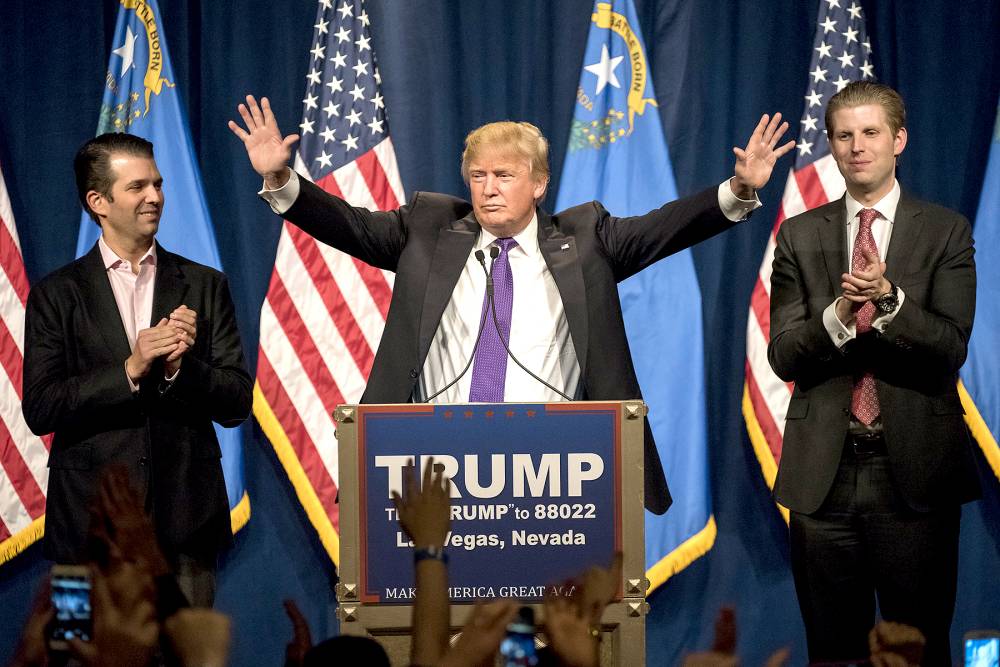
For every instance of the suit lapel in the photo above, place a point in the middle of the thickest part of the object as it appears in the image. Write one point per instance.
(563, 260)
(170, 287)
(833, 243)
(452, 250)
(906, 230)
(102, 305)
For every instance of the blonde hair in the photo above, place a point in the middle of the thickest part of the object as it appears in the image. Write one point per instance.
(860, 93)
(521, 139)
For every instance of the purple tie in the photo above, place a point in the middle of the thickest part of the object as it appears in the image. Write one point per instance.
(489, 371)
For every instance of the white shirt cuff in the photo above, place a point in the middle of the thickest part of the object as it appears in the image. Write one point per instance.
(131, 385)
(281, 200)
(839, 334)
(733, 207)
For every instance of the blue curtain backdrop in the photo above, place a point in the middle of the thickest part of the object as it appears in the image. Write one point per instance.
(448, 67)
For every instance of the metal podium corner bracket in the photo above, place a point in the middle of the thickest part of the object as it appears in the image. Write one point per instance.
(347, 591)
(636, 410)
(344, 414)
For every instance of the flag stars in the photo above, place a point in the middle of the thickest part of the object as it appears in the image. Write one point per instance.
(850, 35)
(363, 17)
(358, 92)
(314, 77)
(846, 59)
(814, 99)
(331, 109)
(306, 126)
(818, 74)
(318, 51)
(322, 27)
(829, 25)
(854, 10)
(363, 43)
(350, 143)
(378, 76)
(335, 85)
(346, 10)
(833, 3)
(808, 123)
(360, 68)
(310, 102)
(340, 60)
(326, 4)
(378, 100)
(328, 134)
(840, 83)
(324, 159)
(867, 70)
(805, 147)
(824, 50)
(343, 35)
(354, 117)
(376, 126)
(867, 45)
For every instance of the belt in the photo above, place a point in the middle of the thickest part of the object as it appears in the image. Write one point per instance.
(865, 444)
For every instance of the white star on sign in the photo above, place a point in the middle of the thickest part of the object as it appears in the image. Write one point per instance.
(127, 51)
(350, 143)
(605, 69)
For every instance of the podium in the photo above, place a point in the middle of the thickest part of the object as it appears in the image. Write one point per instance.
(540, 491)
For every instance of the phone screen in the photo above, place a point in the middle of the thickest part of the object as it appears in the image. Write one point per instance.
(982, 651)
(71, 601)
(518, 647)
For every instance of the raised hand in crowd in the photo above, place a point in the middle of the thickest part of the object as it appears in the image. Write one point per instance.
(480, 639)
(126, 632)
(199, 637)
(425, 514)
(574, 639)
(895, 645)
(301, 642)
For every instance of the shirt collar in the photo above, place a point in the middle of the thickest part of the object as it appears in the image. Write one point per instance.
(886, 206)
(113, 261)
(527, 238)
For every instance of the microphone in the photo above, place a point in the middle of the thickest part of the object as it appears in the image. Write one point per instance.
(494, 252)
(481, 258)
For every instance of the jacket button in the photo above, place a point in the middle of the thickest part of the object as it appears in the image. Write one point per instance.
(847, 412)
(414, 373)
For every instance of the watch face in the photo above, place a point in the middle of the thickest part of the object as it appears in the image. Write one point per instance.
(887, 302)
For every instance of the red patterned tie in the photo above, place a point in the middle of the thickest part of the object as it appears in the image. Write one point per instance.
(864, 398)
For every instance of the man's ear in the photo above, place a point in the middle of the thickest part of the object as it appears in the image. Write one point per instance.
(540, 187)
(899, 143)
(97, 202)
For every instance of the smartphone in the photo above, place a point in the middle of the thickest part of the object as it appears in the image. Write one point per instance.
(71, 602)
(518, 648)
(982, 648)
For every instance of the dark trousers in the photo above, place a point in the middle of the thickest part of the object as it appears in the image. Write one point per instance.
(863, 544)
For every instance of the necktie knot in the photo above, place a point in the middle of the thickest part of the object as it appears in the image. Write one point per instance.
(868, 216)
(506, 244)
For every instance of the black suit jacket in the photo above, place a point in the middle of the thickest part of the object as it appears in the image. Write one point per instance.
(915, 360)
(75, 387)
(427, 242)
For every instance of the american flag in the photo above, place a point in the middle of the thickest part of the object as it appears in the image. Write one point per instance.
(24, 476)
(841, 54)
(323, 316)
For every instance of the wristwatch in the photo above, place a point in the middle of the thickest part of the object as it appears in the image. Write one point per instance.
(888, 302)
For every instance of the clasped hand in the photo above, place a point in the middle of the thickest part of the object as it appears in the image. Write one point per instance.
(171, 338)
(861, 286)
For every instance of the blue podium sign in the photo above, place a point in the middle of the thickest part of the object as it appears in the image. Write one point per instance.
(536, 494)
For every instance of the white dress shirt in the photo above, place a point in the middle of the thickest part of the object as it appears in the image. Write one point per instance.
(881, 232)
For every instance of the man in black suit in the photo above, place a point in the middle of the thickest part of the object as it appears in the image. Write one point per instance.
(568, 330)
(131, 352)
(872, 301)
